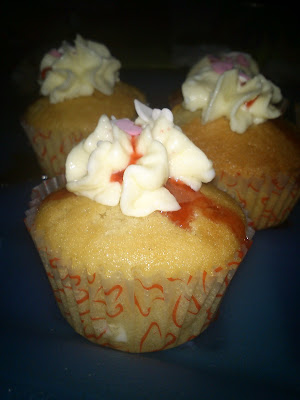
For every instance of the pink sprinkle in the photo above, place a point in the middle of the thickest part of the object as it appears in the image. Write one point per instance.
(128, 126)
(55, 53)
(221, 66)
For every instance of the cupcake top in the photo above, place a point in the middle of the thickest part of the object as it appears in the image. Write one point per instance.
(134, 203)
(128, 163)
(205, 233)
(231, 86)
(73, 71)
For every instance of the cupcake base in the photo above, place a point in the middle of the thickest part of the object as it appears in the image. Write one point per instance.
(140, 314)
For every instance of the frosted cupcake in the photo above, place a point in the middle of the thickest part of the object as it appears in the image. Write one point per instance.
(78, 83)
(138, 246)
(232, 113)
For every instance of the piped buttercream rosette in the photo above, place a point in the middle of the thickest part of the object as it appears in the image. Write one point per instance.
(231, 86)
(128, 163)
(73, 71)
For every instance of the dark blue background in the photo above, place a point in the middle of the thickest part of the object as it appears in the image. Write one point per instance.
(252, 350)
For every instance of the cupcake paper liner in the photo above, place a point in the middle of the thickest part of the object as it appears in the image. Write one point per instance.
(142, 314)
(268, 201)
(51, 148)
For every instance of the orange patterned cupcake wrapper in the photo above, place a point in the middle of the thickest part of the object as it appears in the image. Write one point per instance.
(267, 201)
(141, 314)
(51, 149)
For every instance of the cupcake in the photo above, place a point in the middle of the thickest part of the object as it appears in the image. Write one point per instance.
(138, 245)
(77, 85)
(234, 114)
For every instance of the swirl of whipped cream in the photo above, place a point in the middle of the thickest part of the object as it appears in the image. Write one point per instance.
(73, 71)
(145, 153)
(231, 86)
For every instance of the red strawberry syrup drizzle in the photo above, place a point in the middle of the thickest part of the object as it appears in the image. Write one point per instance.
(118, 176)
(250, 102)
(189, 200)
(44, 72)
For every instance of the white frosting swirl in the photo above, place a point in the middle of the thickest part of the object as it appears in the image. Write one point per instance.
(231, 86)
(74, 71)
(163, 152)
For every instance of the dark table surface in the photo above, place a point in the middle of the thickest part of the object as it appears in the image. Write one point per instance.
(252, 350)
